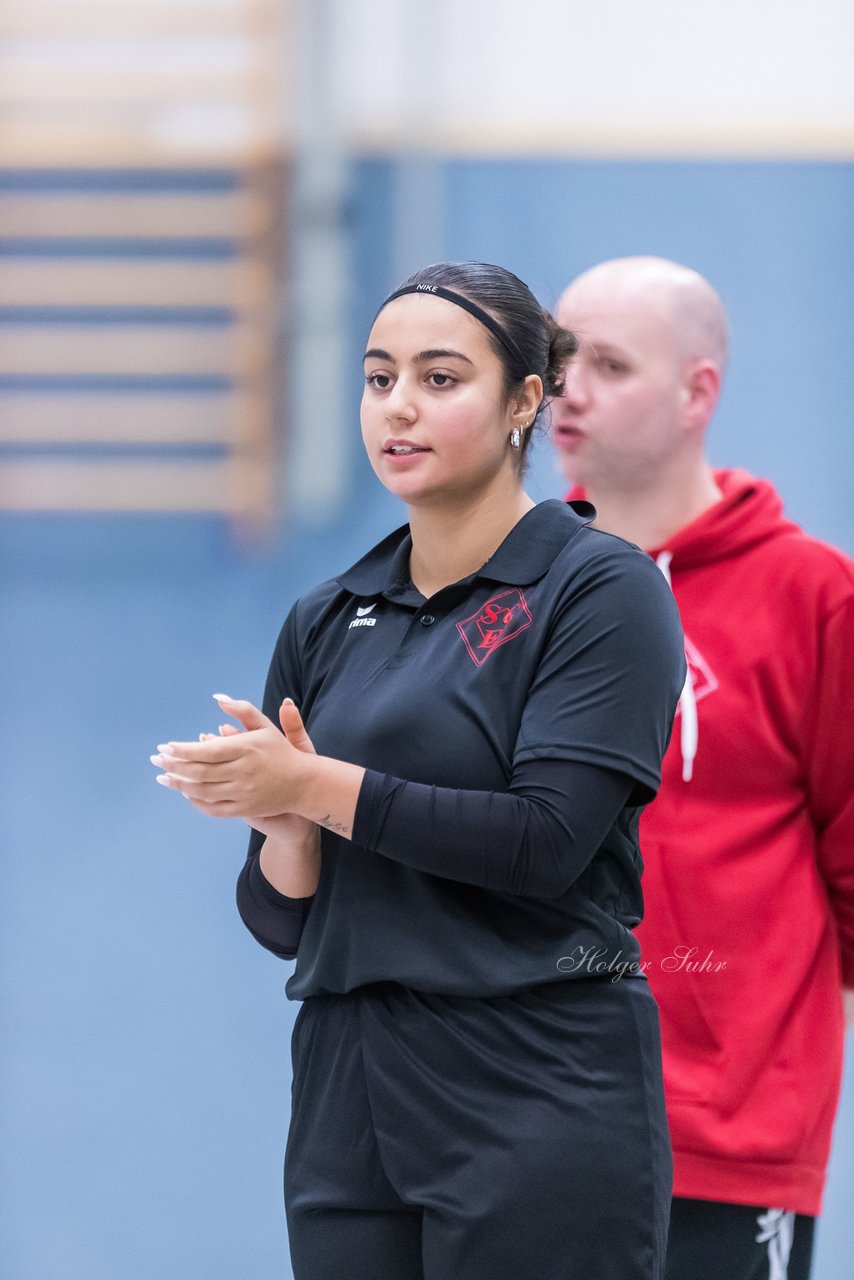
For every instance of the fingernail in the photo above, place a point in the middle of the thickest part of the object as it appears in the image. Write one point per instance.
(222, 697)
(164, 748)
(158, 760)
(289, 701)
(163, 779)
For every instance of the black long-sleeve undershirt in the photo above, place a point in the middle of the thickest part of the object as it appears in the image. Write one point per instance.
(533, 840)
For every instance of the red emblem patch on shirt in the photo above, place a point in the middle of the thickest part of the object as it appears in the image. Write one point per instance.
(501, 619)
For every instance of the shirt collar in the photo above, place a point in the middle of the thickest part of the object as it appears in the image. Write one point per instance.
(528, 552)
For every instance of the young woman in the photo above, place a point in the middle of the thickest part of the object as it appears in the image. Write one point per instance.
(452, 854)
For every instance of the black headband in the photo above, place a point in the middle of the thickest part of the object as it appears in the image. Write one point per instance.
(439, 291)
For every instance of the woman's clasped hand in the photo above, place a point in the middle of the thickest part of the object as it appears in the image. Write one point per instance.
(255, 774)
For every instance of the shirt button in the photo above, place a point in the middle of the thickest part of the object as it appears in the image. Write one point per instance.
(427, 619)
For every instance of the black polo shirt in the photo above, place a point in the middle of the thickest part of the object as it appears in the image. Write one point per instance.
(564, 646)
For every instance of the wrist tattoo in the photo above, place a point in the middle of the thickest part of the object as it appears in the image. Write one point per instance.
(338, 827)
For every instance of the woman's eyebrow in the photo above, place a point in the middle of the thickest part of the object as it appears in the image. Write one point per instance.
(440, 354)
(434, 353)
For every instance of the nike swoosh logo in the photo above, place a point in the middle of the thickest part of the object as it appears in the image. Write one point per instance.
(360, 613)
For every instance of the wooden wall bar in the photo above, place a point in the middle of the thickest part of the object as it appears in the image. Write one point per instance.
(143, 193)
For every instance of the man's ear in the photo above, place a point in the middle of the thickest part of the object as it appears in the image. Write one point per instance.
(701, 392)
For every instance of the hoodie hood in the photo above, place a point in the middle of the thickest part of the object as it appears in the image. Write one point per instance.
(750, 512)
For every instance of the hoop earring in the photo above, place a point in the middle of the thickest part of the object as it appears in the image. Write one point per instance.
(515, 438)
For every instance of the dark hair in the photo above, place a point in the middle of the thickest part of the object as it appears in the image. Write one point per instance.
(541, 345)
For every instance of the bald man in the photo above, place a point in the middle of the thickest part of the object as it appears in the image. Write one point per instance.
(748, 936)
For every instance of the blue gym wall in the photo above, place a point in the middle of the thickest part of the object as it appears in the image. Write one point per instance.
(144, 1037)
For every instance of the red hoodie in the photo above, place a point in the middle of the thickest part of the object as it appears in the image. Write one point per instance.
(749, 853)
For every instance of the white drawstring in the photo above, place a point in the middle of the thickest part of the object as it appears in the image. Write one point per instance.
(777, 1230)
(690, 728)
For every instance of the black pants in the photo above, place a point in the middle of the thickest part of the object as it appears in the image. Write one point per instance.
(448, 1138)
(714, 1241)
